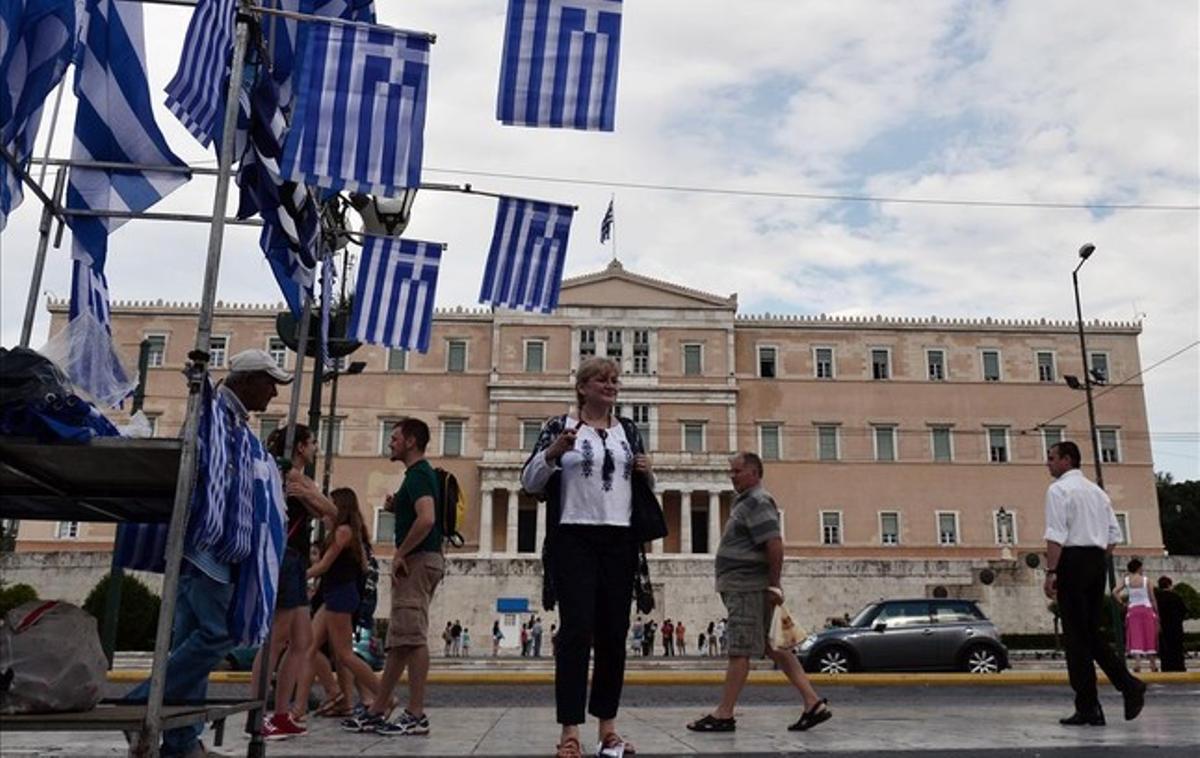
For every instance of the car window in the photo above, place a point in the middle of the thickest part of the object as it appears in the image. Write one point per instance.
(910, 613)
(950, 613)
(860, 618)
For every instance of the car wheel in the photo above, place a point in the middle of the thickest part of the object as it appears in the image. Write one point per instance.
(981, 659)
(834, 659)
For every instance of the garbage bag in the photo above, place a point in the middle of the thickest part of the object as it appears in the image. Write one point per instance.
(51, 660)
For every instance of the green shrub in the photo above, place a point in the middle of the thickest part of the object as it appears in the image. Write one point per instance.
(138, 619)
(1191, 599)
(11, 597)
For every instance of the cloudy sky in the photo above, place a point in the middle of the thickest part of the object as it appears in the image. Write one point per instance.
(1084, 103)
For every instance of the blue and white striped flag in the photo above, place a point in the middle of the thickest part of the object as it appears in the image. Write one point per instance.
(393, 299)
(37, 38)
(359, 118)
(525, 264)
(559, 67)
(285, 36)
(196, 95)
(606, 224)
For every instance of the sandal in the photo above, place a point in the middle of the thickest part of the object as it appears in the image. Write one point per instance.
(711, 723)
(818, 714)
(332, 704)
(614, 746)
(568, 748)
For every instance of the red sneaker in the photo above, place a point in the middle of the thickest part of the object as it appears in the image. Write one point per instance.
(280, 726)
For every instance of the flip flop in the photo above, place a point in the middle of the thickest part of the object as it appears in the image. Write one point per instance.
(818, 714)
(711, 723)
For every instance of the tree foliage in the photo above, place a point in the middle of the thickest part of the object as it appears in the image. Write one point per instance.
(12, 596)
(1190, 597)
(137, 621)
(1179, 514)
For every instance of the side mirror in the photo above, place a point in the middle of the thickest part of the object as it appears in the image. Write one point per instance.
(880, 626)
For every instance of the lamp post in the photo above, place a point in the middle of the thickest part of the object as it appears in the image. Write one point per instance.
(1085, 252)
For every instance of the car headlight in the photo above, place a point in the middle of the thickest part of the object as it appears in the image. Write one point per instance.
(809, 641)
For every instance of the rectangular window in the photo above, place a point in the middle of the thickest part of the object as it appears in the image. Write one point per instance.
(641, 417)
(1099, 367)
(456, 356)
(535, 357)
(613, 346)
(693, 357)
(323, 429)
(530, 430)
(452, 438)
(67, 530)
(831, 527)
(278, 351)
(885, 443)
(935, 360)
(397, 360)
(823, 362)
(385, 526)
(997, 444)
(1123, 522)
(769, 442)
(641, 351)
(266, 425)
(1051, 435)
(1045, 366)
(889, 528)
(386, 425)
(158, 349)
(693, 436)
(947, 528)
(943, 448)
(587, 343)
(218, 350)
(766, 362)
(991, 365)
(827, 443)
(1110, 449)
(1006, 527)
(881, 360)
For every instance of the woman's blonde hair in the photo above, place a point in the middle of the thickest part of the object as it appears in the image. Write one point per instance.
(590, 369)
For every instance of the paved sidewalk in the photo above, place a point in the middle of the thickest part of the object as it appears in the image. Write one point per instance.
(918, 721)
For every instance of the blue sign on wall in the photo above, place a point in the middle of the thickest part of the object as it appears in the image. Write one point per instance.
(512, 605)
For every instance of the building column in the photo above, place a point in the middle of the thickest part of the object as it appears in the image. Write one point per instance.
(685, 522)
(510, 537)
(656, 547)
(485, 523)
(714, 521)
(540, 533)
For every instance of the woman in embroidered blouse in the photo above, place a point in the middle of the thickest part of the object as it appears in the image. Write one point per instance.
(593, 578)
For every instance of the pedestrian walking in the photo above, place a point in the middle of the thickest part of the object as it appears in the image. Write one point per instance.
(648, 638)
(1141, 616)
(749, 567)
(722, 636)
(592, 553)
(680, 638)
(537, 637)
(701, 643)
(524, 639)
(417, 568)
(1171, 613)
(448, 639)
(497, 638)
(635, 640)
(466, 642)
(1080, 529)
(456, 639)
(712, 639)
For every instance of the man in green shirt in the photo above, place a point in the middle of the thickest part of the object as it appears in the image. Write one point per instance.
(417, 568)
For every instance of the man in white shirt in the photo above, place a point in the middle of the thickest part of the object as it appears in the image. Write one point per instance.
(1080, 530)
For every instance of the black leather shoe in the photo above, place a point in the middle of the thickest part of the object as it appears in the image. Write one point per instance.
(1134, 700)
(1080, 719)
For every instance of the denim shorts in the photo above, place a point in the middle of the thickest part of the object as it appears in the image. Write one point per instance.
(341, 598)
(293, 588)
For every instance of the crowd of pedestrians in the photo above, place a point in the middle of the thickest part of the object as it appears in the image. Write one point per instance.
(670, 638)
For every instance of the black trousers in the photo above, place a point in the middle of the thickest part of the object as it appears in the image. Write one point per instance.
(593, 574)
(1081, 587)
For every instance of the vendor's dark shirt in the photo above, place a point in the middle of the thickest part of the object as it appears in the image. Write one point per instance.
(420, 480)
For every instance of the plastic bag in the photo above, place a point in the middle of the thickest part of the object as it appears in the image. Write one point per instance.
(785, 632)
(51, 660)
(138, 427)
(84, 350)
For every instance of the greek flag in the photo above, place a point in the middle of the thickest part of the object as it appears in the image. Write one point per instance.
(393, 299)
(285, 36)
(196, 95)
(359, 117)
(560, 64)
(37, 38)
(606, 224)
(525, 264)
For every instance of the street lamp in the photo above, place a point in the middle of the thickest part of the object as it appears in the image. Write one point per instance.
(1085, 252)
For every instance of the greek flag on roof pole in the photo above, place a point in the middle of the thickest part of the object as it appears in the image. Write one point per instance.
(196, 95)
(37, 38)
(359, 118)
(393, 299)
(114, 122)
(559, 66)
(525, 263)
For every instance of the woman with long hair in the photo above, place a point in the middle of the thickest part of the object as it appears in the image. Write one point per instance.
(341, 568)
(291, 630)
(1141, 616)
(591, 549)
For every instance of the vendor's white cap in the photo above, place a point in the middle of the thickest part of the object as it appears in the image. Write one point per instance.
(250, 361)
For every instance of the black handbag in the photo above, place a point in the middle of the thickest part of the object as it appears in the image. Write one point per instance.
(643, 590)
(646, 520)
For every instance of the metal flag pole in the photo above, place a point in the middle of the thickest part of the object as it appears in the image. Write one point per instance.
(197, 375)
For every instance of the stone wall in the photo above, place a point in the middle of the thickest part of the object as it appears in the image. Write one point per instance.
(816, 588)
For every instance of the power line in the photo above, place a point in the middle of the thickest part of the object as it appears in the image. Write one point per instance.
(819, 196)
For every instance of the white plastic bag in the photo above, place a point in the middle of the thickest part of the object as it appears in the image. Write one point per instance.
(785, 632)
(138, 427)
(84, 350)
(51, 660)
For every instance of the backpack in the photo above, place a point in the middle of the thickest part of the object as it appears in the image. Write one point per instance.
(368, 591)
(451, 510)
